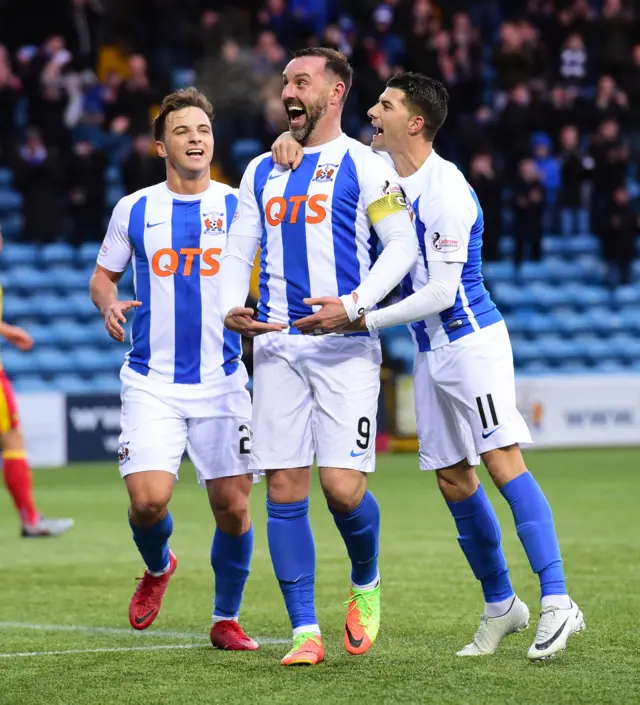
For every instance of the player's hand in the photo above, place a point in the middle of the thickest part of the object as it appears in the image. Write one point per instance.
(285, 151)
(114, 318)
(20, 338)
(240, 320)
(357, 326)
(331, 318)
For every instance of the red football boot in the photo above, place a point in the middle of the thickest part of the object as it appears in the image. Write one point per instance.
(147, 599)
(227, 634)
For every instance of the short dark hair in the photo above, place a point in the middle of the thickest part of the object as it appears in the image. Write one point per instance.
(336, 62)
(179, 100)
(423, 96)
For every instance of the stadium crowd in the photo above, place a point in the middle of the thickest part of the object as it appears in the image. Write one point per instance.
(544, 112)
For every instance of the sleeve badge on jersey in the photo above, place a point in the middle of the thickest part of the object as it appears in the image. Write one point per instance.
(213, 223)
(325, 172)
(104, 250)
(236, 215)
(444, 244)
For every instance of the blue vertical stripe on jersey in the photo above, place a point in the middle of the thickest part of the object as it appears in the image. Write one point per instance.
(140, 352)
(420, 231)
(419, 328)
(344, 207)
(294, 241)
(232, 344)
(259, 180)
(374, 240)
(186, 231)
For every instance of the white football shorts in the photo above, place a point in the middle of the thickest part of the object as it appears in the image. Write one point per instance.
(465, 396)
(161, 420)
(315, 396)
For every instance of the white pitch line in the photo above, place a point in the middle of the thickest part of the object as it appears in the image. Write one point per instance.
(154, 647)
(120, 631)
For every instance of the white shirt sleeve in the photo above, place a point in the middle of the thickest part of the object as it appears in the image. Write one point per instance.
(388, 213)
(242, 244)
(437, 295)
(449, 217)
(117, 250)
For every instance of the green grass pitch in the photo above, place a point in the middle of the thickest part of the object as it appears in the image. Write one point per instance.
(430, 601)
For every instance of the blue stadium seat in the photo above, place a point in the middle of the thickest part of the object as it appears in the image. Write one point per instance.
(610, 367)
(553, 245)
(570, 323)
(80, 305)
(582, 245)
(14, 307)
(602, 321)
(537, 367)
(506, 245)
(627, 295)
(16, 254)
(31, 383)
(68, 278)
(533, 272)
(590, 268)
(243, 151)
(6, 176)
(401, 350)
(594, 349)
(583, 296)
(517, 321)
(496, 272)
(10, 200)
(540, 324)
(635, 268)
(71, 333)
(112, 174)
(546, 297)
(12, 225)
(26, 279)
(105, 384)
(525, 351)
(51, 361)
(555, 350)
(87, 253)
(42, 335)
(573, 366)
(52, 306)
(561, 271)
(58, 253)
(17, 362)
(630, 317)
(511, 297)
(71, 384)
(114, 193)
(627, 346)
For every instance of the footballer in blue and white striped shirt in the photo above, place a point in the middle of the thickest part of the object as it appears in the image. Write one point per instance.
(183, 382)
(316, 397)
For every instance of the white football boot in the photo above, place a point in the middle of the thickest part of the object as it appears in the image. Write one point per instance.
(493, 630)
(555, 627)
(46, 527)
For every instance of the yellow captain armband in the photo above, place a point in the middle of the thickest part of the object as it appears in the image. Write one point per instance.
(393, 201)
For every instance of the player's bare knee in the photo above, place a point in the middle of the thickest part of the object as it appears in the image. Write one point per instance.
(288, 486)
(12, 441)
(229, 500)
(504, 464)
(147, 511)
(457, 482)
(343, 489)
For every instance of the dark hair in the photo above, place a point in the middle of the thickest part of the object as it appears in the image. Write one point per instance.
(336, 62)
(423, 96)
(178, 100)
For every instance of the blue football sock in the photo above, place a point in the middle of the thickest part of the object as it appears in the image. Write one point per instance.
(480, 540)
(153, 543)
(360, 531)
(536, 530)
(230, 559)
(293, 554)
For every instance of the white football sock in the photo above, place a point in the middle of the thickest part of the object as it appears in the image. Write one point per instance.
(497, 609)
(562, 602)
(368, 586)
(313, 628)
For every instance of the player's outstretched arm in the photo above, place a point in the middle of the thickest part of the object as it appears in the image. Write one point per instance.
(16, 336)
(436, 296)
(287, 152)
(103, 288)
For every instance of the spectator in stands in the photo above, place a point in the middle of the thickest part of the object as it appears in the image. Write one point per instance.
(619, 237)
(86, 192)
(560, 109)
(39, 176)
(631, 84)
(574, 62)
(528, 202)
(610, 169)
(516, 123)
(142, 167)
(548, 166)
(9, 96)
(616, 31)
(136, 95)
(514, 62)
(610, 102)
(575, 168)
(488, 187)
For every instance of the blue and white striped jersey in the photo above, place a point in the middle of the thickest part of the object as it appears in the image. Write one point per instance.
(449, 225)
(175, 243)
(315, 224)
